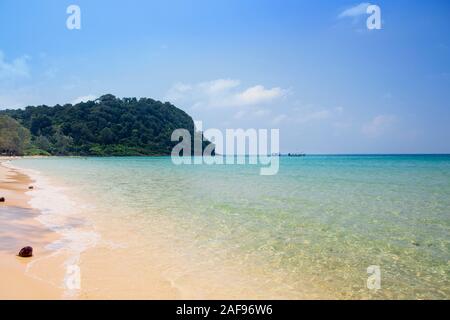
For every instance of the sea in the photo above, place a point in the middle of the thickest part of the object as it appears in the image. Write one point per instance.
(323, 227)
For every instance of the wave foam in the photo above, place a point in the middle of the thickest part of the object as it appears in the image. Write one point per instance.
(60, 214)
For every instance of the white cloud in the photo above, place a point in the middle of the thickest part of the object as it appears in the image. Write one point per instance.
(258, 94)
(355, 11)
(378, 126)
(18, 68)
(222, 93)
(89, 97)
(219, 85)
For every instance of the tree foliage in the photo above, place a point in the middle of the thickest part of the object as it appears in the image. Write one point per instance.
(106, 126)
(14, 138)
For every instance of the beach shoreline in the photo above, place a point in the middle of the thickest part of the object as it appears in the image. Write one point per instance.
(56, 227)
(113, 259)
(158, 240)
(18, 228)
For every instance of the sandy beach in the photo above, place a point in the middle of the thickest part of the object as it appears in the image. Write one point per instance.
(19, 228)
(43, 275)
(145, 273)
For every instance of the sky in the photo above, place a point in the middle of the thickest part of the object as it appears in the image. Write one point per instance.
(309, 68)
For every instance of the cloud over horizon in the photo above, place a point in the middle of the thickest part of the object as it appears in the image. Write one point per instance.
(222, 93)
(89, 97)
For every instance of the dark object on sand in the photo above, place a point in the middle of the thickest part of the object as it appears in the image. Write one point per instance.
(26, 252)
(31, 187)
(2, 199)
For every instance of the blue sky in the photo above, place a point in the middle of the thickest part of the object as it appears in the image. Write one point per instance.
(310, 68)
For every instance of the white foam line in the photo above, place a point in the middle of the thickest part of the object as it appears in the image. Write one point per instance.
(59, 213)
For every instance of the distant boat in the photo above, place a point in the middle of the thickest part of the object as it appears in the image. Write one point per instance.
(296, 154)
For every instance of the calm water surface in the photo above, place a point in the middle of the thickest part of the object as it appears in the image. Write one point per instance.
(309, 231)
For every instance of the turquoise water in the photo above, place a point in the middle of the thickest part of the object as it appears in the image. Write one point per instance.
(309, 231)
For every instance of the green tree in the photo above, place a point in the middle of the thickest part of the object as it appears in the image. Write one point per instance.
(106, 136)
(62, 144)
(43, 143)
(14, 138)
(106, 126)
(41, 125)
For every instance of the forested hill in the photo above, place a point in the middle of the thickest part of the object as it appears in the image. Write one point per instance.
(106, 126)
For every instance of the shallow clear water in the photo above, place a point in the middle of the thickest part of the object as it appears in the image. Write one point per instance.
(312, 230)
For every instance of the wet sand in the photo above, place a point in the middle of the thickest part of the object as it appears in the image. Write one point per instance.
(19, 228)
(42, 276)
